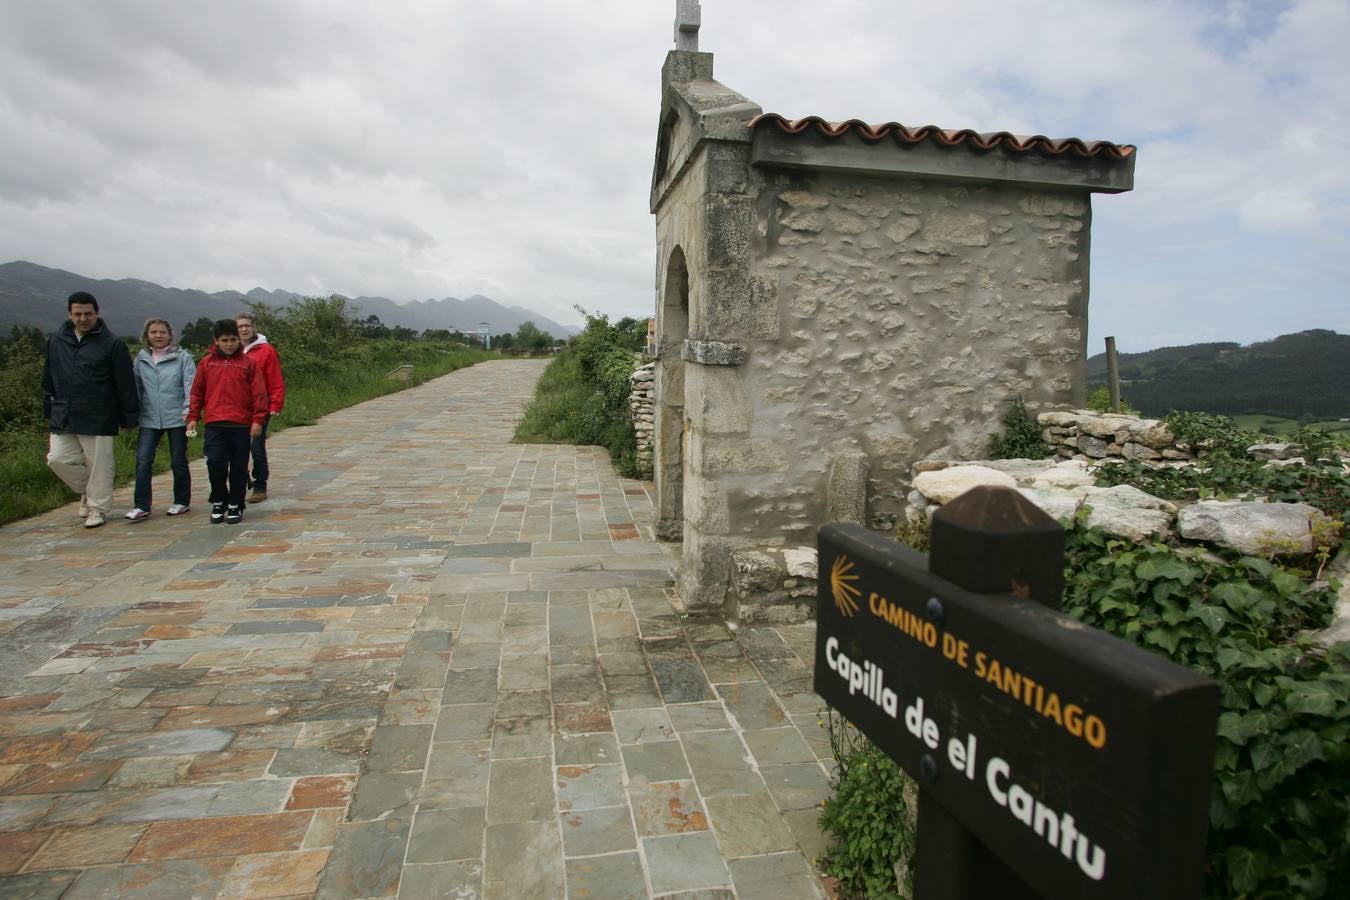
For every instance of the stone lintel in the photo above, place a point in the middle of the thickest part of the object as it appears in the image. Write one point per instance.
(713, 353)
(850, 154)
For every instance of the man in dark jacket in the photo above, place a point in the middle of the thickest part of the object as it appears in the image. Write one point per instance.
(88, 392)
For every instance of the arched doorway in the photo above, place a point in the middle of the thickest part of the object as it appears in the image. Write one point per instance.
(672, 329)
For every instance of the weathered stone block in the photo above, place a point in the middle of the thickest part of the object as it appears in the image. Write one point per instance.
(847, 500)
(717, 400)
(1282, 529)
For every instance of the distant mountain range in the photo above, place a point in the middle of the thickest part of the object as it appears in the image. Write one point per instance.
(1294, 375)
(36, 295)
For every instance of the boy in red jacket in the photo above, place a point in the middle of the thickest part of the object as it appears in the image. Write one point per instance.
(229, 394)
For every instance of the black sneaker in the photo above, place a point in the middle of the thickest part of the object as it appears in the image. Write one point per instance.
(233, 515)
(217, 513)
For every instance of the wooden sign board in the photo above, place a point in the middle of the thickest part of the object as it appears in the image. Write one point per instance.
(1082, 761)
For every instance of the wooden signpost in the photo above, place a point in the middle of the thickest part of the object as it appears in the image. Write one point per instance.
(1053, 759)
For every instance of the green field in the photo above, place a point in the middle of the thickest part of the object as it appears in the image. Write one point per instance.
(1280, 426)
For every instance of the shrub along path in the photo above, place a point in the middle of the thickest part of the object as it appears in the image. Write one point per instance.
(434, 663)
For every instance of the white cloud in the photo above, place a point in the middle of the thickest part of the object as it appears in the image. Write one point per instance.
(504, 147)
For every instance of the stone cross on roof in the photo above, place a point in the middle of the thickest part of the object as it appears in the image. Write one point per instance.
(687, 13)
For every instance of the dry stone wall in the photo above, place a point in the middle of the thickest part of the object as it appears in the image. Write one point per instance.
(1091, 435)
(642, 406)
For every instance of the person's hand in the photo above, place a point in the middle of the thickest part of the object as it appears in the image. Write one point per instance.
(254, 430)
(192, 428)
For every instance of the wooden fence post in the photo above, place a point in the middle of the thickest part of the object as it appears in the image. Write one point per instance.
(989, 541)
(1112, 374)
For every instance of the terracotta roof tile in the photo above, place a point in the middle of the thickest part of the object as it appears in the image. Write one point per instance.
(946, 137)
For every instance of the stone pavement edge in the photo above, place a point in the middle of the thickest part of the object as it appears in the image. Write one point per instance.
(432, 664)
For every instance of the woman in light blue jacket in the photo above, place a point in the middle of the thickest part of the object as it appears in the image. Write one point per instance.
(164, 373)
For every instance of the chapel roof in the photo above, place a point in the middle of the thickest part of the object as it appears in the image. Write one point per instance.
(905, 135)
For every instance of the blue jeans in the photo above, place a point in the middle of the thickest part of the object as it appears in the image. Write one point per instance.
(258, 448)
(226, 452)
(147, 442)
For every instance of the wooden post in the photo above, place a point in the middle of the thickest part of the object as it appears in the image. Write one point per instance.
(1112, 374)
(989, 541)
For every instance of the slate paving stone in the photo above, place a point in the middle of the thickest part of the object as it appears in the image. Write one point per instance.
(685, 862)
(298, 763)
(631, 692)
(633, 726)
(618, 876)
(718, 761)
(523, 860)
(399, 748)
(589, 786)
(275, 874)
(234, 835)
(797, 786)
(382, 794)
(774, 877)
(656, 761)
(585, 749)
(513, 704)
(752, 704)
(778, 746)
(523, 673)
(709, 716)
(606, 829)
(367, 860)
(521, 790)
(457, 775)
(670, 807)
(156, 879)
(522, 737)
(160, 743)
(465, 722)
(88, 846)
(442, 835)
(455, 880)
(748, 825)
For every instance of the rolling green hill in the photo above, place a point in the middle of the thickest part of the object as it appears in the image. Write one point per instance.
(1297, 376)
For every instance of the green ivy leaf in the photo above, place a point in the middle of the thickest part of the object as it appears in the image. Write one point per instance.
(1312, 699)
(1165, 567)
(1301, 747)
(1244, 868)
(1213, 617)
(1162, 637)
(1237, 595)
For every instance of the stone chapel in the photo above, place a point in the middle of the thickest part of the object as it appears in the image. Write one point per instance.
(836, 301)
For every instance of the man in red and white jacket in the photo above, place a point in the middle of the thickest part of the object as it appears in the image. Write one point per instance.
(264, 354)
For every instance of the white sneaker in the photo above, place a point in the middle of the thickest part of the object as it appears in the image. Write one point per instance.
(137, 515)
(176, 510)
(96, 519)
(84, 507)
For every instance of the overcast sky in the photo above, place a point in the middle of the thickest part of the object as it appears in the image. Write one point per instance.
(432, 148)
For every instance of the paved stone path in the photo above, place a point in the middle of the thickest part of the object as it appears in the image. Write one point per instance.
(434, 664)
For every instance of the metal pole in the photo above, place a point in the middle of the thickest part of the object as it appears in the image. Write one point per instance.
(1112, 374)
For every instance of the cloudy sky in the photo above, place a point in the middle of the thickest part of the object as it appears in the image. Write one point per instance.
(431, 148)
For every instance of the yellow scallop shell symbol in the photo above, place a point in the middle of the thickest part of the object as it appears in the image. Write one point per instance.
(845, 594)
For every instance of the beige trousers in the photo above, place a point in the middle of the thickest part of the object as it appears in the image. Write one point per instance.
(85, 463)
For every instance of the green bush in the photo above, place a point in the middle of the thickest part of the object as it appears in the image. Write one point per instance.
(869, 813)
(1208, 434)
(1280, 800)
(1100, 401)
(1021, 436)
(582, 397)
